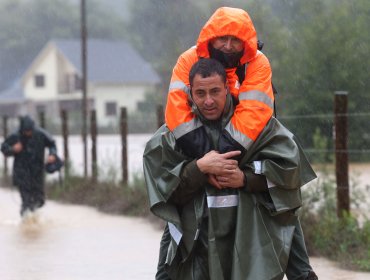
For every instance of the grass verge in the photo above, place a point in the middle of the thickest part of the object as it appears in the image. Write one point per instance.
(108, 197)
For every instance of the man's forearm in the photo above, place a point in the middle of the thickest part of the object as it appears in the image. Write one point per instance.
(192, 181)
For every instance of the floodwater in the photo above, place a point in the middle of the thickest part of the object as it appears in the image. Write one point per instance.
(65, 242)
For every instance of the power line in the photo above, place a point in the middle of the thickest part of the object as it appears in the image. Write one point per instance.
(353, 151)
(325, 116)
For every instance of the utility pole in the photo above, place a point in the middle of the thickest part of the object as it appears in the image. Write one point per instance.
(84, 79)
(94, 154)
(123, 129)
(42, 119)
(341, 152)
(5, 134)
(65, 134)
(160, 115)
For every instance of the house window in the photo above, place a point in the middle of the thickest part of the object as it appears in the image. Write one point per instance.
(40, 108)
(39, 80)
(78, 82)
(111, 109)
(72, 83)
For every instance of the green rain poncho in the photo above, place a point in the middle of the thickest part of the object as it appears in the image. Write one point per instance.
(249, 234)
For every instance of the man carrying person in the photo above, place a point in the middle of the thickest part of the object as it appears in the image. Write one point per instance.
(227, 219)
(229, 36)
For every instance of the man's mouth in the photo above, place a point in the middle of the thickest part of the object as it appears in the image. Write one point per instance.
(210, 111)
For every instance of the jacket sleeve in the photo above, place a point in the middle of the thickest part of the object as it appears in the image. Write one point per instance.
(6, 146)
(163, 164)
(278, 156)
(192, 181)
(49, 142)
(256, 103)
(178, 112)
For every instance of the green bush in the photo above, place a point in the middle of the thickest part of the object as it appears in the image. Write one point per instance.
(341, 239)
(109, 197)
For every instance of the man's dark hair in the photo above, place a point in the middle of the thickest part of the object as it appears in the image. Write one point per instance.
(207, 67)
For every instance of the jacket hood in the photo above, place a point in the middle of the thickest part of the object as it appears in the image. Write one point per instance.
(26, 123)
(233, 22)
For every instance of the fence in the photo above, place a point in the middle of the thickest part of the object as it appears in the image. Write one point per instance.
(92, 143)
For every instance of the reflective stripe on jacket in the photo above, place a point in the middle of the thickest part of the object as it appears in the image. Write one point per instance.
(255, 94)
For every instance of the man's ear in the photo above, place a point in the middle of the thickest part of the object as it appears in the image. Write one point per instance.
(190, 97)
(191, 102)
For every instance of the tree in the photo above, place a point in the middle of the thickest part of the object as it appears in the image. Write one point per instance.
(162, 30)
(330, 52)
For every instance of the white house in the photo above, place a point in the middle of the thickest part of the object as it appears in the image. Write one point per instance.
(117, 76)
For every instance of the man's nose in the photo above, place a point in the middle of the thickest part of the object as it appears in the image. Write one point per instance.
(208, 101)
(228, 44)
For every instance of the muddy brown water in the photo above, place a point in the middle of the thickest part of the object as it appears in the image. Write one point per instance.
(64, 242)
(71, 243)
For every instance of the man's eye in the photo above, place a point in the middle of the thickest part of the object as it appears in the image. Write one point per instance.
(215, 91)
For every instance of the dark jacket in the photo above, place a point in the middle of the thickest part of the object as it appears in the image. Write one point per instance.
(28, 166)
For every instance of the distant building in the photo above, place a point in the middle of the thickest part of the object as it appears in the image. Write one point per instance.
(117, 77)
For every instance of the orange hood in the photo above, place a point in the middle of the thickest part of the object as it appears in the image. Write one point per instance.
(233, 22)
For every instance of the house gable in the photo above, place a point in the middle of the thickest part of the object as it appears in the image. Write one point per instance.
(110, 62)
(39, 81)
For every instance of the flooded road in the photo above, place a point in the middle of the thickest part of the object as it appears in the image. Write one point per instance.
(73, 243)
(68, 242)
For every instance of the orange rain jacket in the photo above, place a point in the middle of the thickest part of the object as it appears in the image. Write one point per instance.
(255, 94)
